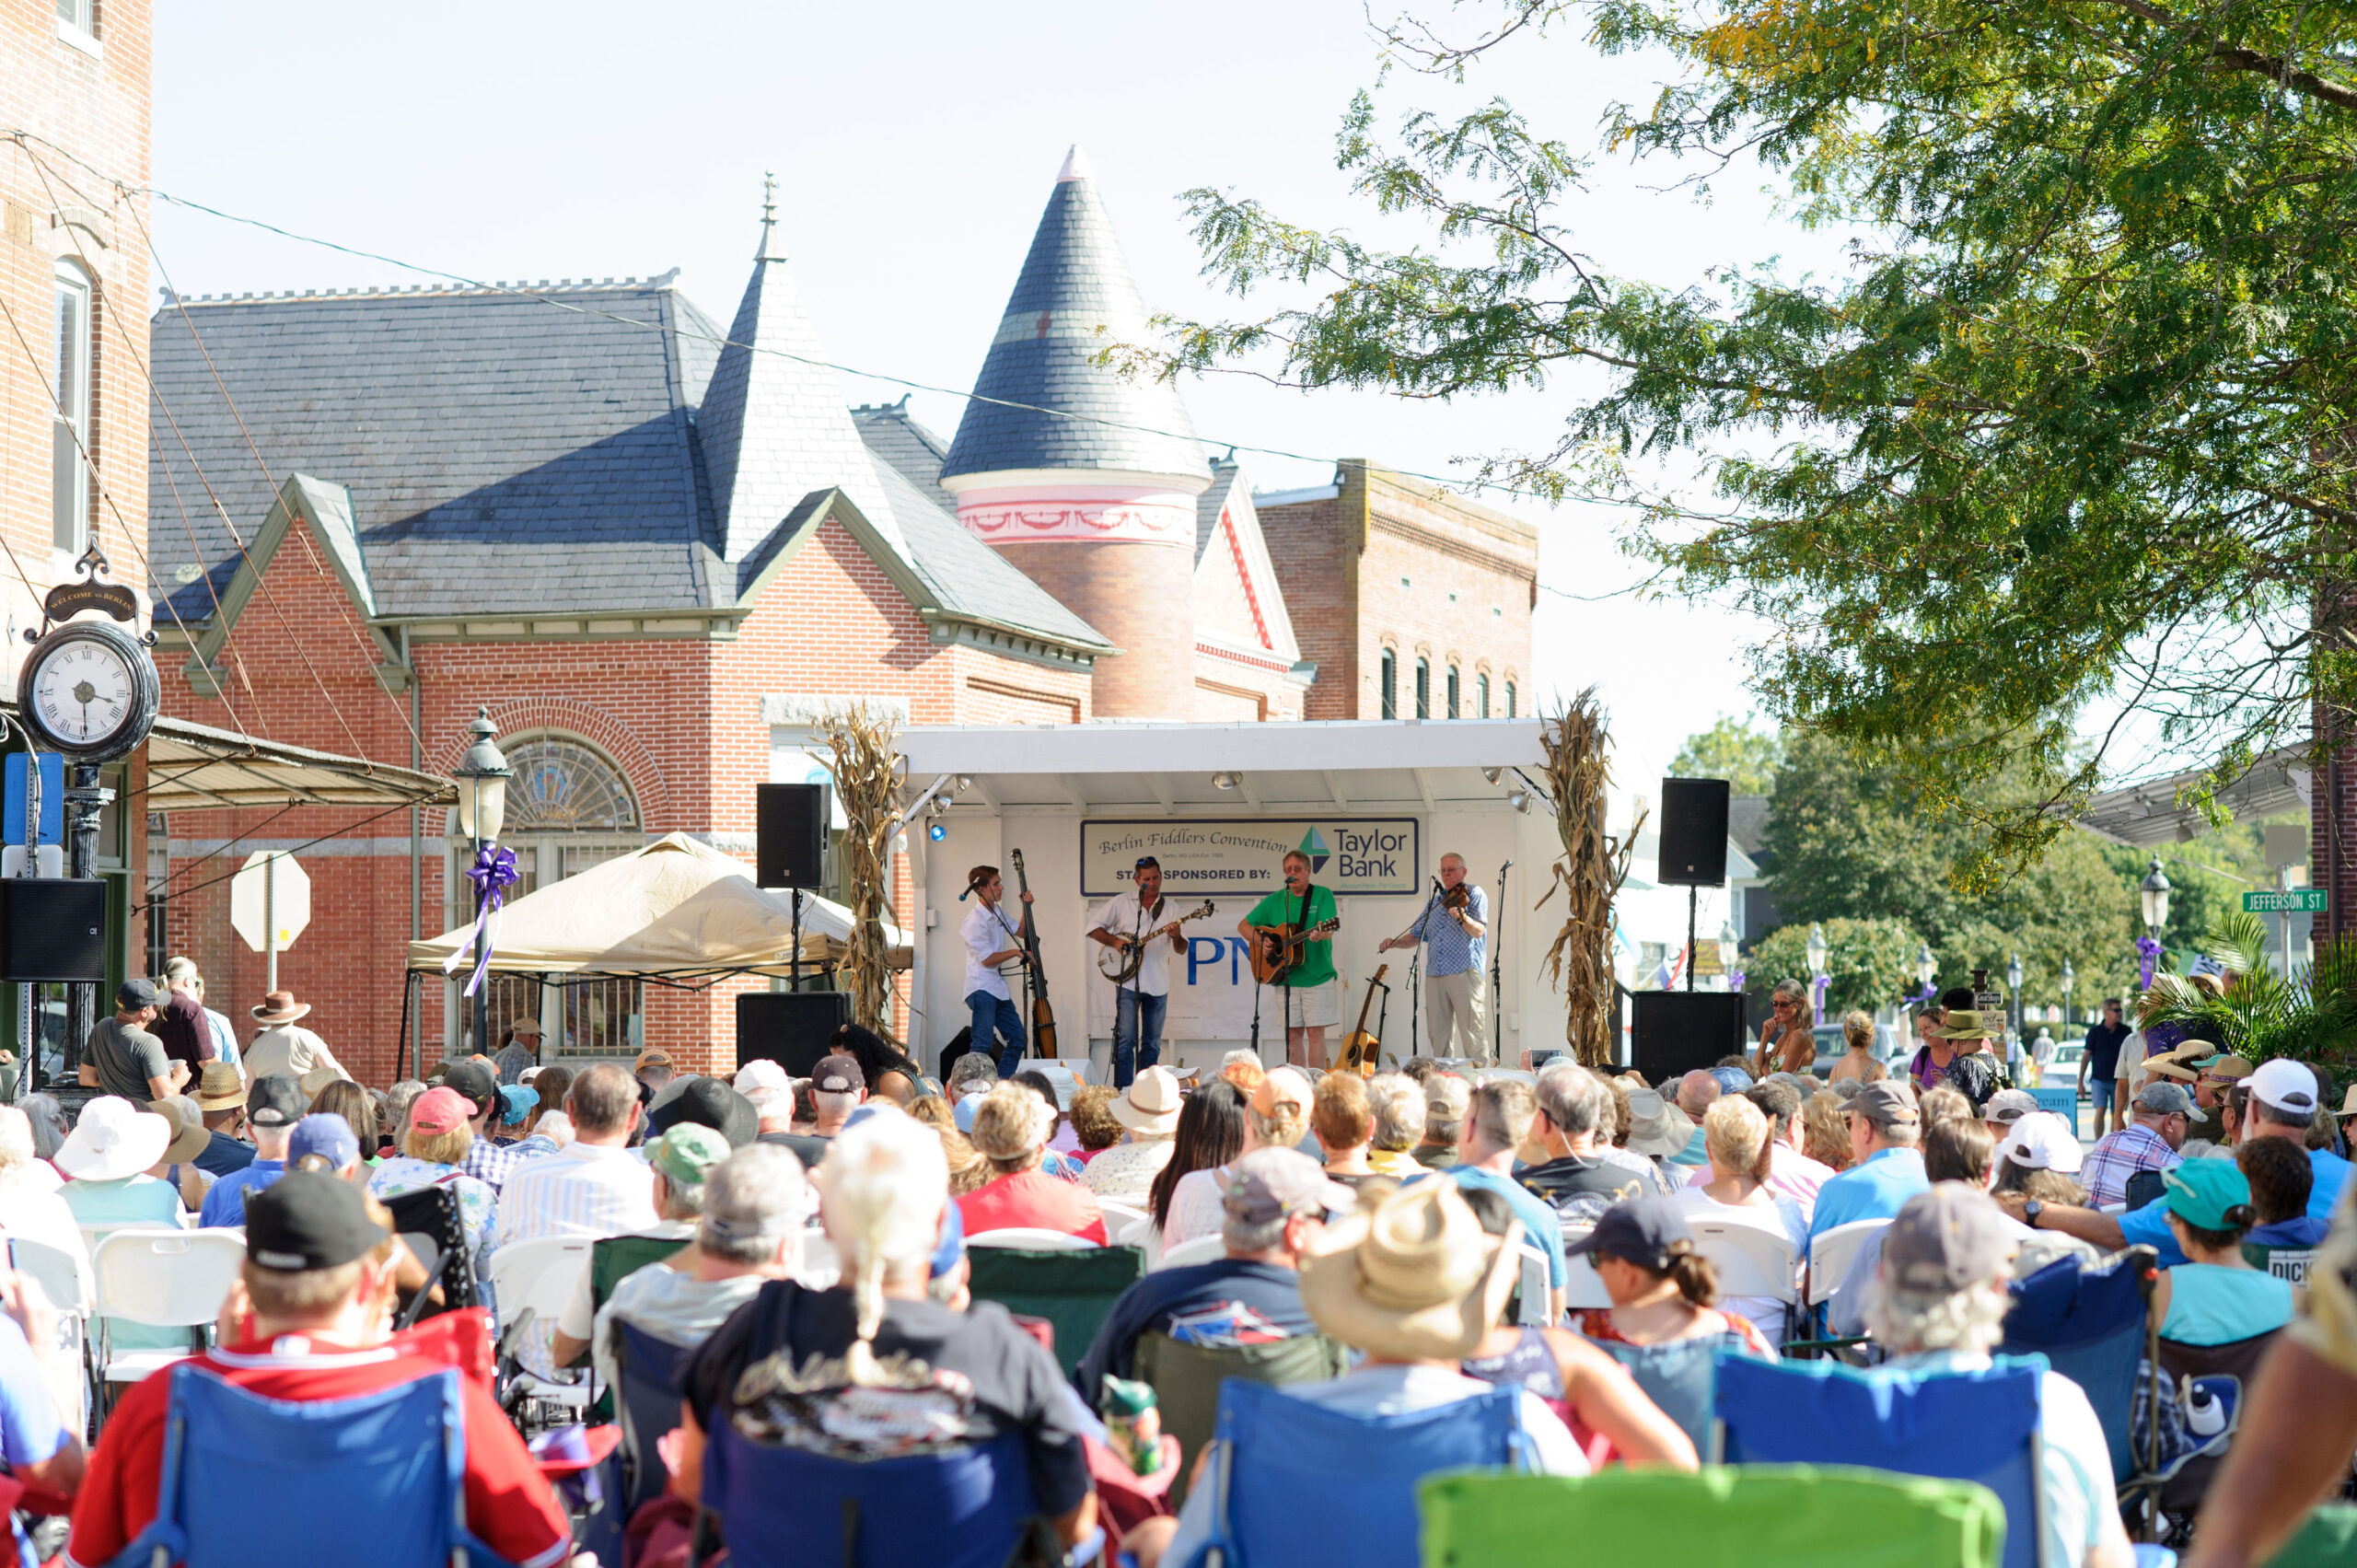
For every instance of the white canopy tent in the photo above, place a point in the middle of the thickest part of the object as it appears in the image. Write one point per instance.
(677, 910)
(1218, 804)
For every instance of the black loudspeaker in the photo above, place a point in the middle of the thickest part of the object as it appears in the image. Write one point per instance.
(790, 828)
(1679, 1031)
(1693, 833)
(53, 929)
(789, 1028)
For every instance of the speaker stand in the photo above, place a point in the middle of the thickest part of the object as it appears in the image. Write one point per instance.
(1693, 893)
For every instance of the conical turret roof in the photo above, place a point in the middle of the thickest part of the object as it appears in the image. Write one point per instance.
(1074, 298)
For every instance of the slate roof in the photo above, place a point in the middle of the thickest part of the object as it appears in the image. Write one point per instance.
(910, 447)
(1073, 298)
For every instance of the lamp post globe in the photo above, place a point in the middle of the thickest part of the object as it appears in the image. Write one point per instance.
(1927, 967)
(2068, 984)
(2154, 894)
(481, 776)
(1817, 950)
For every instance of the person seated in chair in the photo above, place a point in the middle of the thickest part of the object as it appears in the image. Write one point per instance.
(2215, 1297)
(1937, 1304)
(2281, 1178)
(831, 1373)
(1277, 1202)
(318, 1280)
(1011, 1130)
(682, 1160)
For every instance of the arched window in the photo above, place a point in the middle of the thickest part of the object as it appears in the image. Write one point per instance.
(1510, 698)
(1454, 711)
(70, 421)
(1390, 690)
(1423, 688)
(562, 786)
(1481, 694)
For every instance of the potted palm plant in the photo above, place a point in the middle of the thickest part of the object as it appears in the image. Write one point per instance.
(2309, 1015)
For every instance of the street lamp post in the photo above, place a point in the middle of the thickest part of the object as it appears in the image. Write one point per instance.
(1927, 968)
(2014, 990)
(1728, 941)
(2069, 983)
(1818, 954)
(2154, 894)
(482, 775)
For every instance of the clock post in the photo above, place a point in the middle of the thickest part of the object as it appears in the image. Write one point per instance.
(85, 800)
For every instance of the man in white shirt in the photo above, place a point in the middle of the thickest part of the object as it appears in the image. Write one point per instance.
(592, 1186)
(1128, 921)
(991, 942)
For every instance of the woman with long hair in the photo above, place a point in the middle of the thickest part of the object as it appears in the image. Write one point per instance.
(1211, 1133)
(1786, 1042)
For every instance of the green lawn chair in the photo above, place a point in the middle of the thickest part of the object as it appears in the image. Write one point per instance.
(613, 1258)
(1757, 1515)
(2328, 1540)
(1075, 1291)
(1186, 1380)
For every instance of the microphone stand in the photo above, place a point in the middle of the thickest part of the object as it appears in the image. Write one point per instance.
(1497, 971)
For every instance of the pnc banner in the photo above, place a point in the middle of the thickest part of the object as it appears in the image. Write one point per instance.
(1244, 856)
(1211, 994)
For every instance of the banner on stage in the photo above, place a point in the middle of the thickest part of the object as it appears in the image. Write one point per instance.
(1245, 857)
(1210, 987)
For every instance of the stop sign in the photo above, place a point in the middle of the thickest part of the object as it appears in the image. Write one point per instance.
(288, 902)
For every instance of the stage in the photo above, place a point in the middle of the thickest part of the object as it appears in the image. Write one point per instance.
(1379, 801)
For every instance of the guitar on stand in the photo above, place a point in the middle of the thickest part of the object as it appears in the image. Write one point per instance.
(1121, 965)
(1359, 1050)
(1278, 950)
(1043, 1017)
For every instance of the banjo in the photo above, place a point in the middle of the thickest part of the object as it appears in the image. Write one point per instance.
(1121, 967)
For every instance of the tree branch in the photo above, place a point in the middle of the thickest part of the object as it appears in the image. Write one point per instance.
(2234, 57)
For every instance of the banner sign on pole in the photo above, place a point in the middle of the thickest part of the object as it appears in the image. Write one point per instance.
(1244, 856)
(52, 799)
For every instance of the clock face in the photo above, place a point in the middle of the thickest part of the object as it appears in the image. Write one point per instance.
(85, 692)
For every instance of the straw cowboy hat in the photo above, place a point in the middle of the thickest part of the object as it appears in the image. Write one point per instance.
(1963, 1023)
(1151, 1107)
(112, 1139)
(219, 1088)
(280, 1008)
(1414, 1279)
(1658, 1129)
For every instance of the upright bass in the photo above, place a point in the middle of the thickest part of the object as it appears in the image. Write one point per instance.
(1043, 1017)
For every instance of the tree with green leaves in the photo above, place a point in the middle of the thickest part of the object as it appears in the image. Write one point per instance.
(2070, 428)
(1872, 962)
(1735, 751)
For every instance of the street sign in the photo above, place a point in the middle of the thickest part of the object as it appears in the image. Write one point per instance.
(2289, 900)
(270, 901)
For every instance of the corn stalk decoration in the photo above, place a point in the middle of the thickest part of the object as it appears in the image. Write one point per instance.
(868, 771)
(1593, 865)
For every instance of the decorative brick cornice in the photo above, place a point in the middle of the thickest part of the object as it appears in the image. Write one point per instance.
(605, 731)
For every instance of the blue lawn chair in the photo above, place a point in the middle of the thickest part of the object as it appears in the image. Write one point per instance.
(2090, 1325)
(1979, 1426)
(784, 1507)
(1679, 1376)
(374, 1482)
(1294, 1483)
(648, 1377)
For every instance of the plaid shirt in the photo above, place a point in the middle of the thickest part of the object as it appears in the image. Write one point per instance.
(2121, 1156)
(493, 1163)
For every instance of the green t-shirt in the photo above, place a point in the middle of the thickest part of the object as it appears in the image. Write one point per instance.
(1279, 909)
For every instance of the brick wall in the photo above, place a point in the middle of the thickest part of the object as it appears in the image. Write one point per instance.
(1141, 598)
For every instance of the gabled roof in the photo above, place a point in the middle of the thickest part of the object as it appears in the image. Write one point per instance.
(916, 452)
(1237, 597)
(327, 508)
(1074, 298)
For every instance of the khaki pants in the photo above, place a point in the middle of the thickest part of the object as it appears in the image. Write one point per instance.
(1454, 1015)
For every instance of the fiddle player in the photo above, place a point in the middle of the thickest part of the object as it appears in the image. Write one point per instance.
(1456, 927)
(992, 943)
(1310, 996)
(1139, 1005)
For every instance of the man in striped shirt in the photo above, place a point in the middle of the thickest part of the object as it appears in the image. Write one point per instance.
(592, 1186)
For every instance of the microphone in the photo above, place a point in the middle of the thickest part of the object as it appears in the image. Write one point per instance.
(1506, 868)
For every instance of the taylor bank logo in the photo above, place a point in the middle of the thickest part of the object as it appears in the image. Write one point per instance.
(1313, 845)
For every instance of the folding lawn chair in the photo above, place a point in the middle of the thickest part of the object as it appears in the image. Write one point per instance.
(1073, 1289)
(2090, 1325)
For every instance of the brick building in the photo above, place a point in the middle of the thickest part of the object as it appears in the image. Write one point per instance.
(659, 553)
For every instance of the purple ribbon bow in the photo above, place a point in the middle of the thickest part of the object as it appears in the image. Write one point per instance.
(493, 872)
(1734, 981)
(2148, 954)
(1817, 988)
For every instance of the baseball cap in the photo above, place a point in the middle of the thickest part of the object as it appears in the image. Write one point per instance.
(2008, 1106)
(1886, 1104)
(1945, 1238)
(2285, 1085)
(475, 1081)
(2042, 1141)
(2170, 1100)
(837, 1074)
(1270, 1184)
(307, 1220)
(275, 1100)
(2227, 1066)
(761, 1073)
(324, 1135)
(687, 1152)
(437, 1112)
(2201, 1191)
(136, 992)
(651, 1057)
(1648, 1232)
(515, 1103)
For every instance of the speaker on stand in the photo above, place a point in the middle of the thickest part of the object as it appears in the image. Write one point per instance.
(790, 846)
(1693, 845)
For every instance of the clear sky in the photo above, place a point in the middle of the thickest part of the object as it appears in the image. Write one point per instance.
(914, 146)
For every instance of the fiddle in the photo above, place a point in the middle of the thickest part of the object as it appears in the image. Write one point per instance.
(1457, 898)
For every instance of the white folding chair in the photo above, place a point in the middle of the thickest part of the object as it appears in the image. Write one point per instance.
(1534, 1307)
(1200, 1249)
(160, 1277)
(1830, 1253)
(1749, 1260)
(541, 1275)
(1582, 1286)
(66, 1279)
(1030, 1238)
(1119, 1217)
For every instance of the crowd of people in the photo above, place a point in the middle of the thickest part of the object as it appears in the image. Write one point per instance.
(1370, 1246)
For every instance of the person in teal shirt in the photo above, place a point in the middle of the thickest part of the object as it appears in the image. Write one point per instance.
(2215, 1297)
(1883, 1127)
(106, 1160)
(1309, 998)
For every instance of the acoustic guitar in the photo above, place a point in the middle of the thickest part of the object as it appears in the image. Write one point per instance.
(1043, 1017)
(1359, 1050)
(1121, 968)
(1278, 950)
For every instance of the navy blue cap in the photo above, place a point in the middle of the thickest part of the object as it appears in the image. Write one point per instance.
(1649, 1232)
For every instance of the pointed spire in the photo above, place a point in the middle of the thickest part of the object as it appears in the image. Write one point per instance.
(1074, 298)
(773, 424)
(767, 251)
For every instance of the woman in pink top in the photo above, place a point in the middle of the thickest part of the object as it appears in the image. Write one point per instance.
(1011, 1130)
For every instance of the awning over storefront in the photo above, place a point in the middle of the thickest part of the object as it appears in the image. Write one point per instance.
(2150, 813)
(194, 767)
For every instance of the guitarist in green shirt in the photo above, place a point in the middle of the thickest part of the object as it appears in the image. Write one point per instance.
(1291, 933)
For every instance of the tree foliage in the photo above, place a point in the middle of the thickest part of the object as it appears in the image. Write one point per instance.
(1872, 962)
(2067, 428)
(1735, 751)
(2309, 1014)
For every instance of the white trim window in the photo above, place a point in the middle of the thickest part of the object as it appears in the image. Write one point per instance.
(70, 424)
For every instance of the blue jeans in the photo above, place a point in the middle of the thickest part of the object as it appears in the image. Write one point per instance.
(2100, 1092)
(1129, 1008)
(996, 1016)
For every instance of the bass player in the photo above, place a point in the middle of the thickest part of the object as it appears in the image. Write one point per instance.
(1309, 998)
(1127, 922)
(992, 944)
